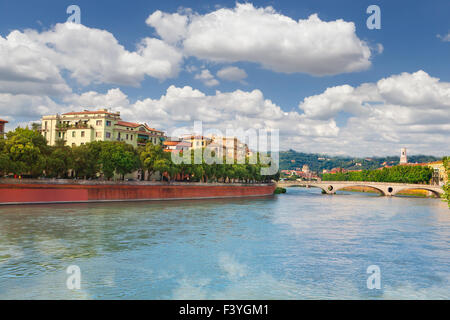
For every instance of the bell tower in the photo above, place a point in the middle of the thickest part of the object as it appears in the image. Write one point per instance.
(403, 157)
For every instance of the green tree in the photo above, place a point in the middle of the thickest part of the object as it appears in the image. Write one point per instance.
(149, 156)
(59, 162)
(86, 160)
(26, 150)
(446, 194)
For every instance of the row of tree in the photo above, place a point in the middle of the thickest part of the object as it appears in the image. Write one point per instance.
(400, 174)
(25, 152)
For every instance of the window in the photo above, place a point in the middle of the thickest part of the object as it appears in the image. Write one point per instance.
(45, 124)
(131, 137)
(108, 123)
(82, 134)
(127, 136)
(98, 134)
(99, 122)
(59, 134)
(73, 145)
(73, 134)
(108, 135)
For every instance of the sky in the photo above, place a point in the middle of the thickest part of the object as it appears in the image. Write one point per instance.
(312, 69)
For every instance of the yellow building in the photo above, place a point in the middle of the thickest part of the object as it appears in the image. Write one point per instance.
(196, 141)
(77, 128)
(440, 177)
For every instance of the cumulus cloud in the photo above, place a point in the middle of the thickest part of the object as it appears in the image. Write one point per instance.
(409, 109)
(180, 107)
(266, 37)
(232, 74)
(31, 62)
(207, 78)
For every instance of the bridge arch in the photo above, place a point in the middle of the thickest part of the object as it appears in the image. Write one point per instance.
(433, 191)
(323, 188)
(380, 191)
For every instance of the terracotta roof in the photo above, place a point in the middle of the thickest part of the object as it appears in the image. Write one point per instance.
(88, 112)
(3, 121)
(129, 124)
(177, 143)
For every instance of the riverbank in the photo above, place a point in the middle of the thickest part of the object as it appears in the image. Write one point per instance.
(35, 191)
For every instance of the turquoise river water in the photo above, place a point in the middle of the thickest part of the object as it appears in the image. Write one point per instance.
(299, 245)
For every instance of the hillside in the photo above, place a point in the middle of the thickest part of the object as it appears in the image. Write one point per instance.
(290, 160)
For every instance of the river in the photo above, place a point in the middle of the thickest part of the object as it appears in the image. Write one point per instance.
(299, 245)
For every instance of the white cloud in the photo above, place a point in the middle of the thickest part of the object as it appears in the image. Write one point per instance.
(445, 38)
(27, 67)
(18, 108)
(32, 62)
(232, 74)
(261, 35)
(409, 109)
(207, 78)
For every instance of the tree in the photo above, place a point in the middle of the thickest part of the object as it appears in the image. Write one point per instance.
(59, 162)
(149, 156)
(26, 150)
(446, 194)
(86, 160)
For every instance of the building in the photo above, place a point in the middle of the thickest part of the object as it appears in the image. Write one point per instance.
(403, 156)
(440, 176)
(231, 147)
(2, 127)
(172, 145)
(196, 141)
(78, 128)
(305, 168)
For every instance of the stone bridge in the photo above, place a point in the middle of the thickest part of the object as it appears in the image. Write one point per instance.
(385, 188)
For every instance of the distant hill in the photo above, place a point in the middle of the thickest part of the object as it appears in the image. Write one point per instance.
(290, 160)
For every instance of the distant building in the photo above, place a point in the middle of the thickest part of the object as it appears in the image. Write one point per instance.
(77, 128)
(305, 168)
(176, 145)
(2, 127)
(403, 157)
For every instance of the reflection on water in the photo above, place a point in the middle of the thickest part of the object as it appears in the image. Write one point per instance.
(299, 245)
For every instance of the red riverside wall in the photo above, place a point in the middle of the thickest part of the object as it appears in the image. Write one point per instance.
(53, 193)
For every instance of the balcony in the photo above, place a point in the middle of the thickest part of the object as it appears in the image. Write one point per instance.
(65, 126)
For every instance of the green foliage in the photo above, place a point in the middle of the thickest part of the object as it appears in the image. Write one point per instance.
(149, 156)
(446, 194)
(279, 190)
(399, 174)
(86, 162)
(26, 151)
(59, 162)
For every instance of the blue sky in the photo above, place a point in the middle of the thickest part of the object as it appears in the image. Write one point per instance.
(408, 38)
